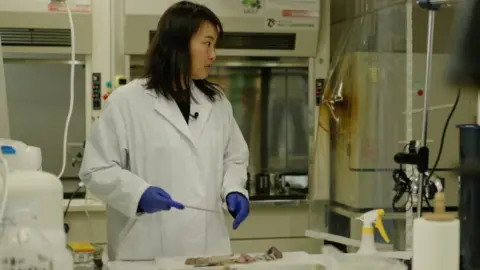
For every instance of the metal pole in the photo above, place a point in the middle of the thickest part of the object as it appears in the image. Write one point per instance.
(409, 119)
(428, 74)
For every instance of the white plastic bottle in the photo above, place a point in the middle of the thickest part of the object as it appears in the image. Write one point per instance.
(367, 244)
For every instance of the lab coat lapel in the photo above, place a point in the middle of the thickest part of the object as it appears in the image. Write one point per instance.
(169, 109)
(202, 106)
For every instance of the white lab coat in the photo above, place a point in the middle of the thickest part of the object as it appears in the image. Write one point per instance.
(197, 164)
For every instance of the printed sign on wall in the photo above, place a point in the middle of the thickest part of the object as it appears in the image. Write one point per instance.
(296, 14)
(74, 6)
(288, 23)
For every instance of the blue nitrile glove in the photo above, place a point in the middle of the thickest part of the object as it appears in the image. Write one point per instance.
(155, 199)
(239, 208)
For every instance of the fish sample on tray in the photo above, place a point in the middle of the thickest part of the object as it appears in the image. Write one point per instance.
(271, 255)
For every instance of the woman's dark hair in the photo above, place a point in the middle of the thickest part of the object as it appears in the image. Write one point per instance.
(168, 61)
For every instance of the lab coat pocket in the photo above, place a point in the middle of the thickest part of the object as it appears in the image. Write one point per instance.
(139, 240)
(218, 240)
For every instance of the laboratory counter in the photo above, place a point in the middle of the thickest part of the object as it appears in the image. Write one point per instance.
(298, 260)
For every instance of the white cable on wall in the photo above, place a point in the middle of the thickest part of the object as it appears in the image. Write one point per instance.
(70, 109)
(5, 176)
(408, 117)
(72, 86)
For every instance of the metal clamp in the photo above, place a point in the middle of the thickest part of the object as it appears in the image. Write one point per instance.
(427, 4)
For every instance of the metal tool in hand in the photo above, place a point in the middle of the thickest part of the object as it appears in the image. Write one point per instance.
(201, 209)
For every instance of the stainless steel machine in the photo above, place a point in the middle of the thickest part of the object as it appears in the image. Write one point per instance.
(37, 43)
(265, 65)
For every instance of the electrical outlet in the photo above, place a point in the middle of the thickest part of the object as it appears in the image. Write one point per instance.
(73, 148)
(75, 153)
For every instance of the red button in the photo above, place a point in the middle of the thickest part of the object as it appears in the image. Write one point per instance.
(420, 92)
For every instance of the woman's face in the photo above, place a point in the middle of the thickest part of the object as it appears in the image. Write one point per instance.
(202, 50)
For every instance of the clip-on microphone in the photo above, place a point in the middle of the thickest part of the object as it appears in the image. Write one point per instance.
(195, 115)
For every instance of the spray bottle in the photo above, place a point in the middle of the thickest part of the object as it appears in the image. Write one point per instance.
(367, 245)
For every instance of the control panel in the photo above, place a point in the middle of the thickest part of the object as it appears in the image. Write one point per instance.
(319, 88)
(97, 91)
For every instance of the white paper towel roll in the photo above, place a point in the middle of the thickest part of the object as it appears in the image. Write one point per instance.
(436, 245)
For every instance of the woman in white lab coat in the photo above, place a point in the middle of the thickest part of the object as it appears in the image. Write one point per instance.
(166, 142)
